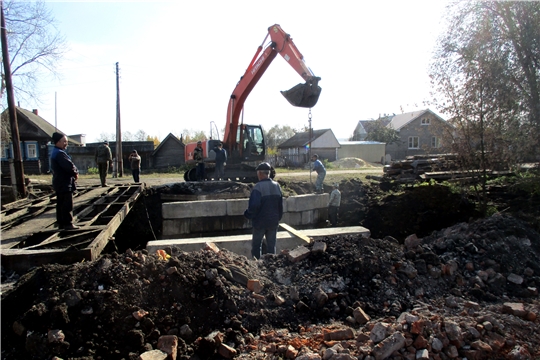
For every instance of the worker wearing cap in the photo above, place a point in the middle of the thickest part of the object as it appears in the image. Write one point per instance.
(265, 210)
(103, 161)
(135, 162)
(319, 168)
(333, 204)
(221, 159)
(65, 174)
(199, 158)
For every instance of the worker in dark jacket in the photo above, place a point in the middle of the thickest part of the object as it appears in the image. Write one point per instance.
(198, 156)
(65, 174)
(265, 210)
(221, 159)
(103, 161)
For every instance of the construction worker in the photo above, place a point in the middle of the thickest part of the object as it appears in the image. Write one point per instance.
(333, 204)
(265, 209)
(319, 168)
(198, 156)
(103, 161)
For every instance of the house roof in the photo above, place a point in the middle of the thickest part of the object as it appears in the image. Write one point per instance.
(365, 126)
(401, 120)
(302, 139)
(47, 128)
(168, 138)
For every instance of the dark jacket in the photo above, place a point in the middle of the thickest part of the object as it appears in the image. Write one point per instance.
(265, 207)
(103, 153)
(63, 170)
(221, 155)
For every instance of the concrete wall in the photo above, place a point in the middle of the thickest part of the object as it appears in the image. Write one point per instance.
(196, 217)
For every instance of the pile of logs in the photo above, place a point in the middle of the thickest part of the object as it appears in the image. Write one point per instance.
(438, 167)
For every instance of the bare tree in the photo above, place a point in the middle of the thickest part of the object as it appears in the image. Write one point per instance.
(35, 46)
(140, 135)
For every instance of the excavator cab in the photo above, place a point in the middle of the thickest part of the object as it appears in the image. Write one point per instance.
(304, 95)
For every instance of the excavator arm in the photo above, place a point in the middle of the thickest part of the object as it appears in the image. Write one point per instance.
(302, 95)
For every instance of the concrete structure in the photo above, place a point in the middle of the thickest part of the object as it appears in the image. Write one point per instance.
(183, 218)
(241, 244)
(371, 151)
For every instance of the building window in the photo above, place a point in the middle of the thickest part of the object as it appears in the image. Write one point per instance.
(435, 142)
(6, 151)
(31, 150)
(426, 121)
(414, 142)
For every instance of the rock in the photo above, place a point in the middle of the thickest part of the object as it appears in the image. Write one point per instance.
(516, 309)
(169, 345)
(342, 334)
(436, 345)
(412, 241)
(453, 331)
(360, 316)
(385, 348)
(318, 247)
(55, 336)
(254, 285)
(226, 351)
(515, 279)
(378, 333)
(153, 355)
(298, 254)
(422, 354)
(482, 346)
(320, 297)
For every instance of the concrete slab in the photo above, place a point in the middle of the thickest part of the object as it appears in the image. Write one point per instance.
(241, 244)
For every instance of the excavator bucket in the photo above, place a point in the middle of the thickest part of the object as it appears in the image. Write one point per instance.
(304, 95)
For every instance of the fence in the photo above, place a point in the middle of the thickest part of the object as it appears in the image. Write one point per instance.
(289, 161)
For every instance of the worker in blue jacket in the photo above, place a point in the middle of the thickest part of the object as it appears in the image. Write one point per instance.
(65, 174)
(265, 210)
(319, 168)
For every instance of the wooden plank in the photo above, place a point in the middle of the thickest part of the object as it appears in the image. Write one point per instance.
(296, 232)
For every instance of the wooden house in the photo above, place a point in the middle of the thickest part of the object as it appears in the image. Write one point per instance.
(169, 153)
(35, 135)
(323, 143)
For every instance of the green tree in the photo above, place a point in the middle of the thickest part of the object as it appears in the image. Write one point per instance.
(277, 135)
(485, 73)
(378, 131)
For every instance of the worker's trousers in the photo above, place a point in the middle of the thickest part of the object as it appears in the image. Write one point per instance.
(319, 181)
(257, 241)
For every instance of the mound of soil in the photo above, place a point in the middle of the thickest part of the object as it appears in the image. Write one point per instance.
(468, 290)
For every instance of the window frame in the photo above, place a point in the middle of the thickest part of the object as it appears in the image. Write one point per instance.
(412, 140)
(425, 121)
(436, 142)
(28, 145)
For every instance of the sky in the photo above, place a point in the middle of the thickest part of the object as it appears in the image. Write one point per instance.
(179, 62)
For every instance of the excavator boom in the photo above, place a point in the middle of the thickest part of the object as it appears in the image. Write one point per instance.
(302, 95)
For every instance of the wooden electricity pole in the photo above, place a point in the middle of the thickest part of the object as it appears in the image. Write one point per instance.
(119, 162)
(17, 157)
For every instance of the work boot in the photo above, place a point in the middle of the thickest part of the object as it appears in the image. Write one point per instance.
(71, 227)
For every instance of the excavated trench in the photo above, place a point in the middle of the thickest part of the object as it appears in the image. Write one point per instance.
(419, 210)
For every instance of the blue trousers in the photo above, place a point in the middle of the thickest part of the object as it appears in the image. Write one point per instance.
(319, 182)
(257, 240)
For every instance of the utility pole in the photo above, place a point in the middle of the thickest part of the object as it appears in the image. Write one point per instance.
(119, 162)
(310, 138)
(17, 158)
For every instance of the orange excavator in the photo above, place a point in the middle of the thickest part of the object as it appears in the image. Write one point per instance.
(245, 144)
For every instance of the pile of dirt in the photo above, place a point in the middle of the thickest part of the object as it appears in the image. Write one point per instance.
(350, 163)
(470, 290)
